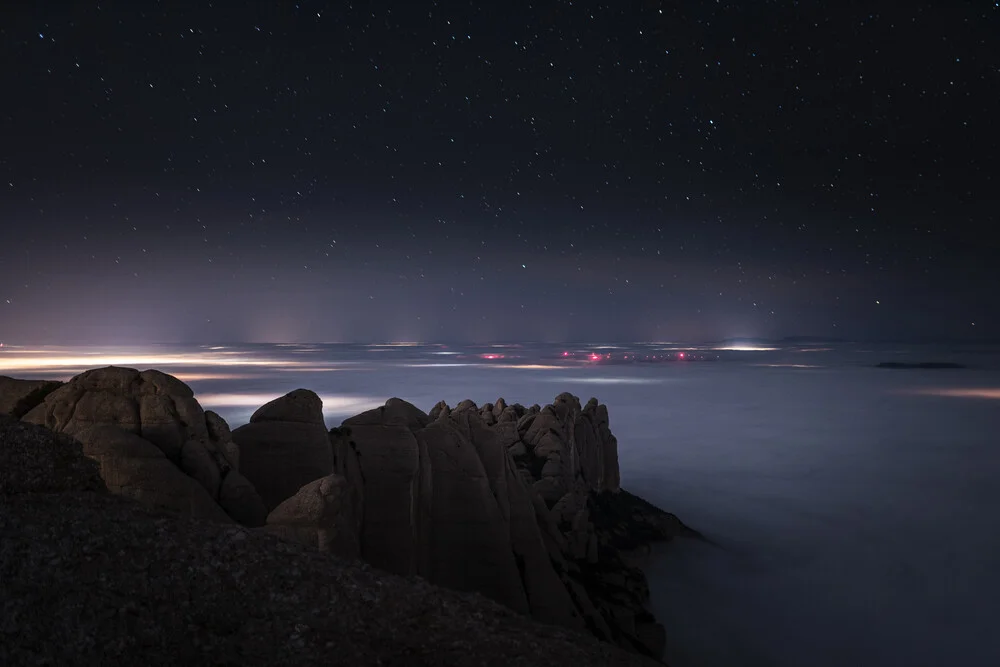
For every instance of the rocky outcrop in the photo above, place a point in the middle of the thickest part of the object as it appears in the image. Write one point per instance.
(464, 521)
(154, 442)
(520, 504)
(395, 412)
(566, 447)
(18, 397)
(285, 446)
(321, 515)
(568, 457)
(91, 578)
(435, 503)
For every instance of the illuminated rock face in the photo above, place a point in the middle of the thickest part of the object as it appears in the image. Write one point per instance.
(154, 442)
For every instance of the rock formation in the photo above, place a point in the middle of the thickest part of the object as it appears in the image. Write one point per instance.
(18, 397)
(136, 468)
(522, 505)
(154, 442)
(322, 515)
(92, 578)
(285, 446)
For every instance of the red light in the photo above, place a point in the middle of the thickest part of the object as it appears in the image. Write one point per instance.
(565, 354)
(681, 355)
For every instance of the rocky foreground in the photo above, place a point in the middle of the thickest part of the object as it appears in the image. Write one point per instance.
(134, 526)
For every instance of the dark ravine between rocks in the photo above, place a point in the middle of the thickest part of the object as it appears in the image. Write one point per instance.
(283, 542)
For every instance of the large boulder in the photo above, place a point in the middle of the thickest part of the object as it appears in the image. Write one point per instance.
(301, 406)
(18, 397)
(153, 405)
(321, 515)
(150, 404)
(395, 412)
(158, 411)
(285, 446)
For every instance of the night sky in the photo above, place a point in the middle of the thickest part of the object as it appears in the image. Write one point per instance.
(477, 171)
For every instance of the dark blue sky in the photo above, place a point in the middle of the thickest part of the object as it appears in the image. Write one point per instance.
(486, 171)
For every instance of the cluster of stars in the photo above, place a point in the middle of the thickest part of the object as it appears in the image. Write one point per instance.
(775, 170)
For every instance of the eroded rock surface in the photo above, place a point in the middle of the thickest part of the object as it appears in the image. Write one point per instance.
(135, 468)
(154, 442)
(520, 504)
(91, 578)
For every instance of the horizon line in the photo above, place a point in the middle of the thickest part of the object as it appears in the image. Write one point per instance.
(787, 340)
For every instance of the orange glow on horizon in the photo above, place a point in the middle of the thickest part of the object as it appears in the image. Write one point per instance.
(83, 361)
(255, 400)
(962, 392)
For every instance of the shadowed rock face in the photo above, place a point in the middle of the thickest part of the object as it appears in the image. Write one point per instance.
(500, 500)
(568, 457)
(285, 446)
(389, 460)
(136, 587)
(34, 460)
(18, 397)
